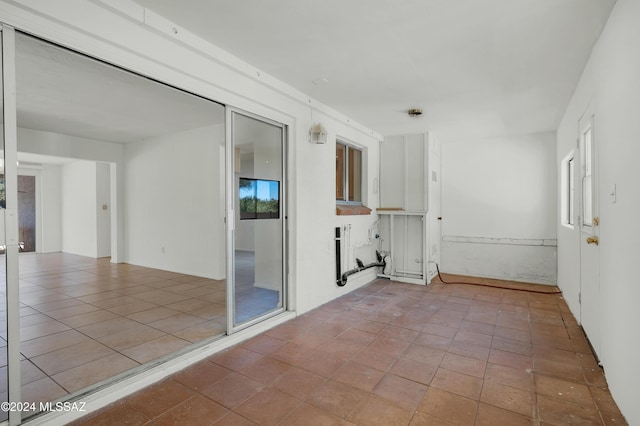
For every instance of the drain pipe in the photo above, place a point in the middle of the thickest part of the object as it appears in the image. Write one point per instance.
(361, 267)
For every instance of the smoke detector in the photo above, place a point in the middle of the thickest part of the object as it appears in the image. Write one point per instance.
(414, 112)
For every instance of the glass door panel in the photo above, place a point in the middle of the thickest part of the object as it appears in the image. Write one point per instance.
(9, 238)
(89, 313)
(258, 200)
(4, 388)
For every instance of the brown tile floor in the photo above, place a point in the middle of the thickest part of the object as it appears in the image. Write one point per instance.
(84, 320)
(394, 354)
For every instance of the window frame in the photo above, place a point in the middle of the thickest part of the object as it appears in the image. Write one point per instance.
(568, 190)
(587, 190)
(347, 146)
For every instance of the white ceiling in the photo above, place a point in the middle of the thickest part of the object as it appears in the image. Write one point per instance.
(63, 92)
(476, 67)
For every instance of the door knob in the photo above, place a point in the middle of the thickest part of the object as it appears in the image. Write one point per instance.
(593, 240)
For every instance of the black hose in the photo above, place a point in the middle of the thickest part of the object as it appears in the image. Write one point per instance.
(494, 286)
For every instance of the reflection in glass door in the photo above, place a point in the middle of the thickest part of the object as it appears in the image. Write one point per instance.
(10, 342)
(4, 394)
(256, 270)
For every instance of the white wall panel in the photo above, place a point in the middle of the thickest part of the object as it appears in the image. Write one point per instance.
(79, 221)
(609, 87)
(172, 218)
(498, 190)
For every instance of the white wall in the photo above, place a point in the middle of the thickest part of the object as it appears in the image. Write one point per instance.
(147, 44)
(71, 147)
(51, 208)
(267, 163)
(173, 218)
(245, 232)
(499, 208)
(79, 221)
(609, 87)
(56, 190)
(316, 219)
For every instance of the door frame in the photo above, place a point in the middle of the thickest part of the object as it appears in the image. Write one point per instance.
(230, 217)
(10, 217)
(588, 230)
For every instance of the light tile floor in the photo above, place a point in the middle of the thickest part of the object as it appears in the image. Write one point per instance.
(84, 320)
(394, 354)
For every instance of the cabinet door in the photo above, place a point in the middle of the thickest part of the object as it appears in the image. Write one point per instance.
(392, 172)
(403, 165)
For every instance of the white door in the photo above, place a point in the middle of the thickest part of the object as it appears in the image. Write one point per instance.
(589, 226)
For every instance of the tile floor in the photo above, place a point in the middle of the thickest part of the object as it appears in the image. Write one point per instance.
(394, 354)
(84, 320)
(251, 301)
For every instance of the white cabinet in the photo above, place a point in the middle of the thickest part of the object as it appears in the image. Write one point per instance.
(409, 210)
(403, 240)
(403, 172)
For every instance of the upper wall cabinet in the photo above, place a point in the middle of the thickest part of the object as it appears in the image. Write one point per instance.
(403, 172)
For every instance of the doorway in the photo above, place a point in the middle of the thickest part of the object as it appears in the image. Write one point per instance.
(27, 213)
(589, 233)
(258, 207)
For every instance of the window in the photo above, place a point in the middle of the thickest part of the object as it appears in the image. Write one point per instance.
(348, 173)
(259, 199)
(570, 191)
(567, 194)
(587, 186)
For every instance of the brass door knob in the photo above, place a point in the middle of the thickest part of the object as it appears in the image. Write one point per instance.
(593, 240)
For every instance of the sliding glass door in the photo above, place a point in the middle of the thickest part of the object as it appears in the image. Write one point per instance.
(4, 388)
(257, 200)
(9, 241)
(113, 160)
(117, 160)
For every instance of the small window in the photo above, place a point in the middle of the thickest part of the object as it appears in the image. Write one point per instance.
(587, 181)
(567, 195)
(348, 173)
(571, 190)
